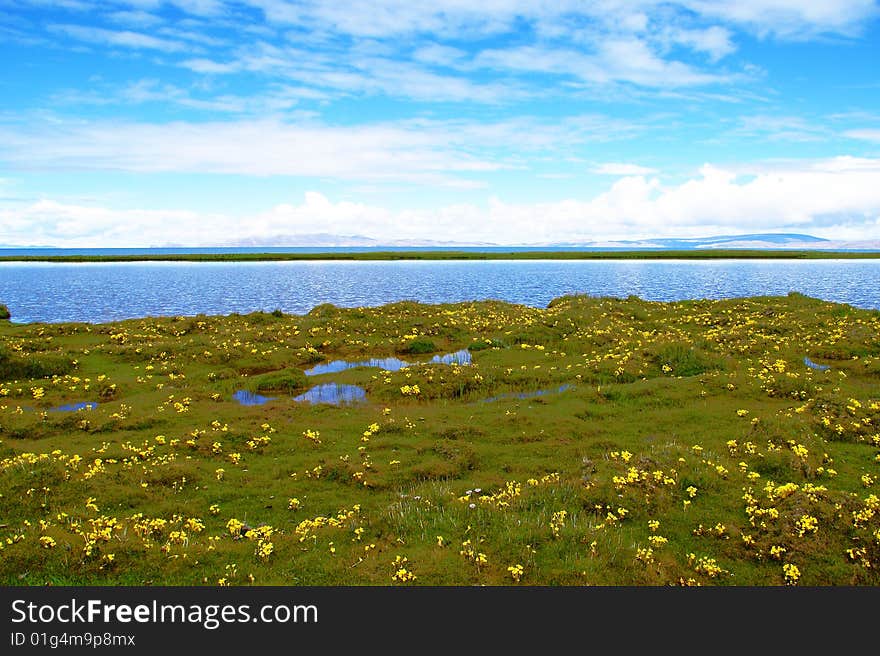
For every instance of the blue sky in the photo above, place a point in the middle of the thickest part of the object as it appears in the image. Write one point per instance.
(208, 122)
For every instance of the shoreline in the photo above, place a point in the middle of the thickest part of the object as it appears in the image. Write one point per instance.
(739, 254)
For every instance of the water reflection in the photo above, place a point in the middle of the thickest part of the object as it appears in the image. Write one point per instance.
(527, 395)
(388, 364)
(462, 357)
(333, 393)
(73, 407)
(245, 397)
(813, 365)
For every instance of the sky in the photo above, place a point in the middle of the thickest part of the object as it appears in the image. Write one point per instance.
(136, 123)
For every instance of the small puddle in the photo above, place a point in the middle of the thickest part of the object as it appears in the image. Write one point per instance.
(333, 393)
(250, 398)
(462, 357)
(387, 364)
(527, 395)
(813, 365)
(74, 407)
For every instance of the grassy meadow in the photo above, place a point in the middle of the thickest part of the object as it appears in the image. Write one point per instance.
(597, 441)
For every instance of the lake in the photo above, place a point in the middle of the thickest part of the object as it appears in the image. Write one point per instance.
(98, 292)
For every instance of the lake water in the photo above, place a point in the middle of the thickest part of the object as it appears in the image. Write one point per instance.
(97, 292)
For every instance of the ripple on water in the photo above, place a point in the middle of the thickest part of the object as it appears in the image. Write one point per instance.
(51, 292)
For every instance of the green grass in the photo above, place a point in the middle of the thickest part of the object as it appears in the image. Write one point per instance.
(700, 416)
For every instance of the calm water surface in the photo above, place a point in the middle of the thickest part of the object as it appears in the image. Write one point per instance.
(245, 397)
(96, 292)
(528, 395)
(333, 394)
(462, 357)
(328, 393)
(75, 407)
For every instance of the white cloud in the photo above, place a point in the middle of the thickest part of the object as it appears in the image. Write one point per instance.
(201, 7)
(202, 65)
(785, 18)
(620, 169)
(360, 71)
(439, 55)
(444, 153)
(790, 18)
(838, 198)
(255, 147)
(779, 127)
(277, 100)
(845, 163)
(137, 18)
(628, 60)
(715, 41)
(118, 38)
(487, 51)
(864, 134)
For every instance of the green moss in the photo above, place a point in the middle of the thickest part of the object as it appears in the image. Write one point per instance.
(420, 346)
(287, 381)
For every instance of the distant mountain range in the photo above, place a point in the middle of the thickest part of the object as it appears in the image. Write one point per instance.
(749, 241)
(758, 241)
(318, 240)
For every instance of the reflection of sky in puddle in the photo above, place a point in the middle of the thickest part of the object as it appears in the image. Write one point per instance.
(73, 407)
(817, 367)
(462, 357)
(250, 398)
(388, 364)
(333, 393)
(527, 395)
(459, 357)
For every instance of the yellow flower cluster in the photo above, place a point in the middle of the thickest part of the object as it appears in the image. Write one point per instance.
(806, 524)
(643, 478)
(312, 436)
(476, 557)
(307, 528)
(516, 572)
(645, 555)
(401, 573)
(706, 565)
(557, 522)
(791, 573)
